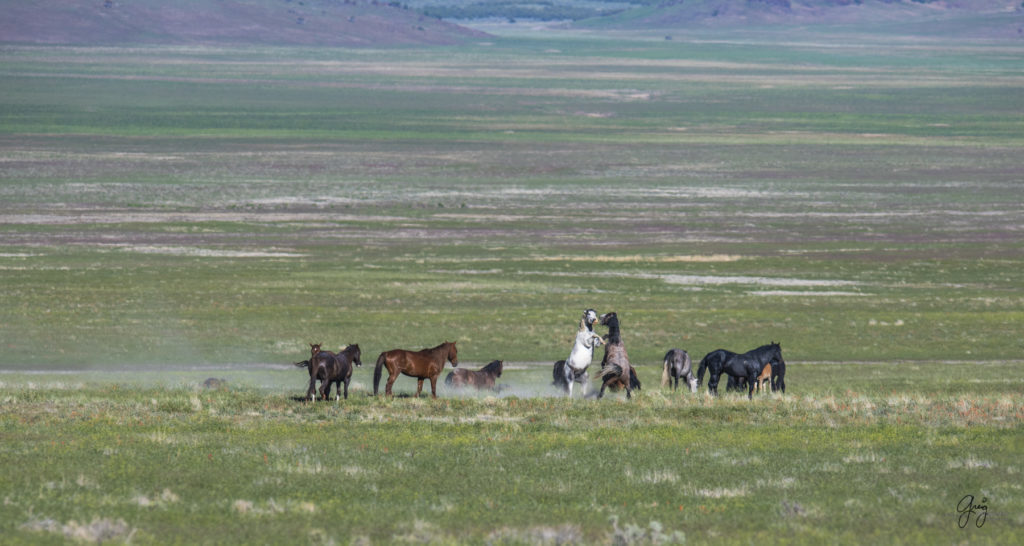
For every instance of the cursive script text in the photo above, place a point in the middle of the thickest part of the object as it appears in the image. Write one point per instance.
(967, 508)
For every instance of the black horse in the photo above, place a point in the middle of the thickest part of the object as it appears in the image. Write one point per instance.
(329, 368)
(744, 366)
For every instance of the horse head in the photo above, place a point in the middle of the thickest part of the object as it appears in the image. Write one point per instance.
(356, 353)
(608, 318)
(314, 349)
(776, 353)
(589, 318)
(453, 353)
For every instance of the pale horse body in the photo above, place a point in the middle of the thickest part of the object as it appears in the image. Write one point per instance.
(582, 350)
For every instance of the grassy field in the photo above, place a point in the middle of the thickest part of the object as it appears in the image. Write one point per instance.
(191, 212)
(857, 452)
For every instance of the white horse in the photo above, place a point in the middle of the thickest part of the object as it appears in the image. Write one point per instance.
(574, 369)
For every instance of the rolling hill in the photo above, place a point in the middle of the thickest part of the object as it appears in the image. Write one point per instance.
(269, 22)
(980, 18)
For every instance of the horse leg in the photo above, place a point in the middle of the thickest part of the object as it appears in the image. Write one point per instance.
(419, 386)
(751, 381)
(392, 376)
(347, 379)
(311, 393)
(713, 382)
(433, 387)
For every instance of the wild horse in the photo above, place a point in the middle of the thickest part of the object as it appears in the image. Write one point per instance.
(747, 366)
(481, 379)
(616, 371)
(677, 366)
(330, 368)
(423, 364)
(574, 369)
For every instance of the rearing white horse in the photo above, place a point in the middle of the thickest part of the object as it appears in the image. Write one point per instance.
(574, 369)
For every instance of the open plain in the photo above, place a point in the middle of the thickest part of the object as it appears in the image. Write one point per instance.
(169, 214)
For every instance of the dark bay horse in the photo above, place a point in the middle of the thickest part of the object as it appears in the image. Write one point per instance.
(481, 379)
(616, 371)
(328, 368)
(423, 364)
(677, 366)
(748, 365)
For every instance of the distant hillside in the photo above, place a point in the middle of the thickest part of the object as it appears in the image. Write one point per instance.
(1002, 17)
(270, 22)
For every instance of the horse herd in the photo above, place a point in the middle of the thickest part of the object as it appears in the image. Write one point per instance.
(750, 370)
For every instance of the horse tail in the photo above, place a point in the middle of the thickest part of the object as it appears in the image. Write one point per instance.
(700, 370)
(376, 373)
(557, 372)
(303, 364)
(664, 371)
(634, 381)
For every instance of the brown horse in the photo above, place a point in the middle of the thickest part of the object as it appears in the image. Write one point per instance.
(616, 371)
(423, 364)
(330, 368)
(481, 379)
(766, 376)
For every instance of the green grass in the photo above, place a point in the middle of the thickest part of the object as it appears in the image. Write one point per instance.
(196, 212)
(850, 453)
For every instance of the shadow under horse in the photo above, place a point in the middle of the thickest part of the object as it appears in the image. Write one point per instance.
(422, 364)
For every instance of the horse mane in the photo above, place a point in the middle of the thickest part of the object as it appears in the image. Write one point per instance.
(493, 368)
(439, 347)
(614, 336)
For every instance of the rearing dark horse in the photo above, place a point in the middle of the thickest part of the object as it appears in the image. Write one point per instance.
(616, 371)
(423, 364)
(744, 366)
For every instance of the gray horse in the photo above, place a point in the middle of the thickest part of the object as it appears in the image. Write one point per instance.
(677, 365)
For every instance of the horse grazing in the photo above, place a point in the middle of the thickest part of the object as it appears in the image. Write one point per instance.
(748, 365)
(328, 368)
(422, 364)
(481, 379)
(574, 369)
(616, 371)
(677, 365)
